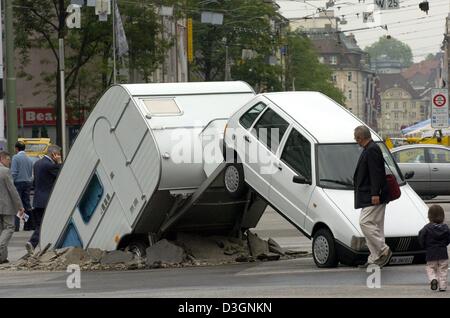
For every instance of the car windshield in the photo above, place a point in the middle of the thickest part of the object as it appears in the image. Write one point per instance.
(35, 147)
(337, 163)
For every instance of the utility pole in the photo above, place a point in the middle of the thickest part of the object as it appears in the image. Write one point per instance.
(2, 108)
(10, 77)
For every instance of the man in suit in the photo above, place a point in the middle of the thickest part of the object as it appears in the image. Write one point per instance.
(22, 174)
(45, 173)
(371, 194)
(10, 205)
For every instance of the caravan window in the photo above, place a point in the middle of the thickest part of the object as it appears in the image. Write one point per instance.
(90, 199)
(162, 107)
(70, 238)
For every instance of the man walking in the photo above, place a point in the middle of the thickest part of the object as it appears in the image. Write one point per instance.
(45, 172)
(10, 204)
(22, 174)
(371, 194)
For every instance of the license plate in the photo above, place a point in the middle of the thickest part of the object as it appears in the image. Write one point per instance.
(401, 260)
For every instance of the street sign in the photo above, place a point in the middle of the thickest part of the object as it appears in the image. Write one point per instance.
(387, 4)
(439, 108)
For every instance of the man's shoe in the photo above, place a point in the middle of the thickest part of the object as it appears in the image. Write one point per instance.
(30, 248)
(384, 259)
(4, 262)
(442, 290)
(434, 284)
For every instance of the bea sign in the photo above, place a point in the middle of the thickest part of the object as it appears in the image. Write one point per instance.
(439, 108)
(44, 117)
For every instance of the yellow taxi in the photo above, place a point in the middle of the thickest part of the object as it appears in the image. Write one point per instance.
(35, 148)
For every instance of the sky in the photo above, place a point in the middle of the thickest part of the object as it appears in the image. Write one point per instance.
(424, 33)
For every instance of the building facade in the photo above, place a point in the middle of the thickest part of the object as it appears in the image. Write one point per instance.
(401, 105)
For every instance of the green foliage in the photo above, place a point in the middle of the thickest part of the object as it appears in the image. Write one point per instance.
(305, 72)
(246, 25)
(392, 48)
(88, 50)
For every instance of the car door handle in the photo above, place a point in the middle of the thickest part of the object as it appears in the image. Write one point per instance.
(247, 139)
(435, 169)
(278, 166)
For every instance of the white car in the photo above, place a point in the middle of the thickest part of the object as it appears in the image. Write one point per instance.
(297, 151)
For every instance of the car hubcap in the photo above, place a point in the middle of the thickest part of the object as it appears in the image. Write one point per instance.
(135, 250)
(232, 178)
(321, 249)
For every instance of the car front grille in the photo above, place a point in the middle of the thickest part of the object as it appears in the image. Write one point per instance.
(404, 244)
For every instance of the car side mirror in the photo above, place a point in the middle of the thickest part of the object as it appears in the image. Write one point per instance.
(301, 180)
(409, 174)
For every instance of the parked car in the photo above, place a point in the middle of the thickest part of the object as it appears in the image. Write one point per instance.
(431, 167)
(297, 151)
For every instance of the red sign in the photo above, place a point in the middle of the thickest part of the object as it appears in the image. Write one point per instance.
(46, 117)
(439, 100)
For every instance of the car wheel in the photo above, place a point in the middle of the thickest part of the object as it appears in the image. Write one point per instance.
(324, 251)
(137, 248)
(234, 180)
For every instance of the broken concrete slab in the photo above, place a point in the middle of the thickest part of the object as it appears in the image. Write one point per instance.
(116, 257)
(48, 257)
(95, 254)
(257, 246)
(74, 255)
(204, 248)
(164, 252)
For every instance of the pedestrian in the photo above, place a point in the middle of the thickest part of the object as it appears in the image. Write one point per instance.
(434, 237)
(10, 205)
(22, 174)
(371, 194)
(45, 172)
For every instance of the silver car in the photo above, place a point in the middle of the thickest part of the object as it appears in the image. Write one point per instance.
(431, 166)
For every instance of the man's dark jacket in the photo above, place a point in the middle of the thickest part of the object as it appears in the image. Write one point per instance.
(435, 238)
(45, 173)
(370, 177)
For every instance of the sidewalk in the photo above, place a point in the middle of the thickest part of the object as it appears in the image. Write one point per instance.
(16, 248)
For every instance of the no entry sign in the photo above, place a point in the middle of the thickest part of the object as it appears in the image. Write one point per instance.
(439, 108)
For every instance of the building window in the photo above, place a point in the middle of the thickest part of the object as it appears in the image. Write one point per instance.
(413, 104)
(395, 105)
(404, 115)
(396, 115)
(396, 127)
(90, 199)
(321, 59)
(387, 105)
(333, 78)
(333, 60)
(349, 76)
(349, 94)
(404, 105)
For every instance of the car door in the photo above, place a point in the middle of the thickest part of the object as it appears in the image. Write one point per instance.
(414, 159)
(439, 161)
(295, 159)
(262, 142)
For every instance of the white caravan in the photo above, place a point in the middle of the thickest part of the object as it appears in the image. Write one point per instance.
(147, 160)
(297, 150)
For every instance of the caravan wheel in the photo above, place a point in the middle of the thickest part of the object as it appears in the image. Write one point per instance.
(137, 248)
(234, 180)
(324, 251)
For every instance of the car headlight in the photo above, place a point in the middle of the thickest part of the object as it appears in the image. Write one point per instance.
(358, 243)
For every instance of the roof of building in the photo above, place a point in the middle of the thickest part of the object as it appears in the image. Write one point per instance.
(388, 81)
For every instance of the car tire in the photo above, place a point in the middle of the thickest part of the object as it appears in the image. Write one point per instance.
(233, 179)
(323, 248)
(428, 197)
(137, 248)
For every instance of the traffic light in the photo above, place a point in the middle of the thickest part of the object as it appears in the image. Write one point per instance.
(424, 6)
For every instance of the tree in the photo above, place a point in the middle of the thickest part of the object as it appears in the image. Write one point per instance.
(392, 48)
(305, 72)
(88, 51)
(246, 26)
